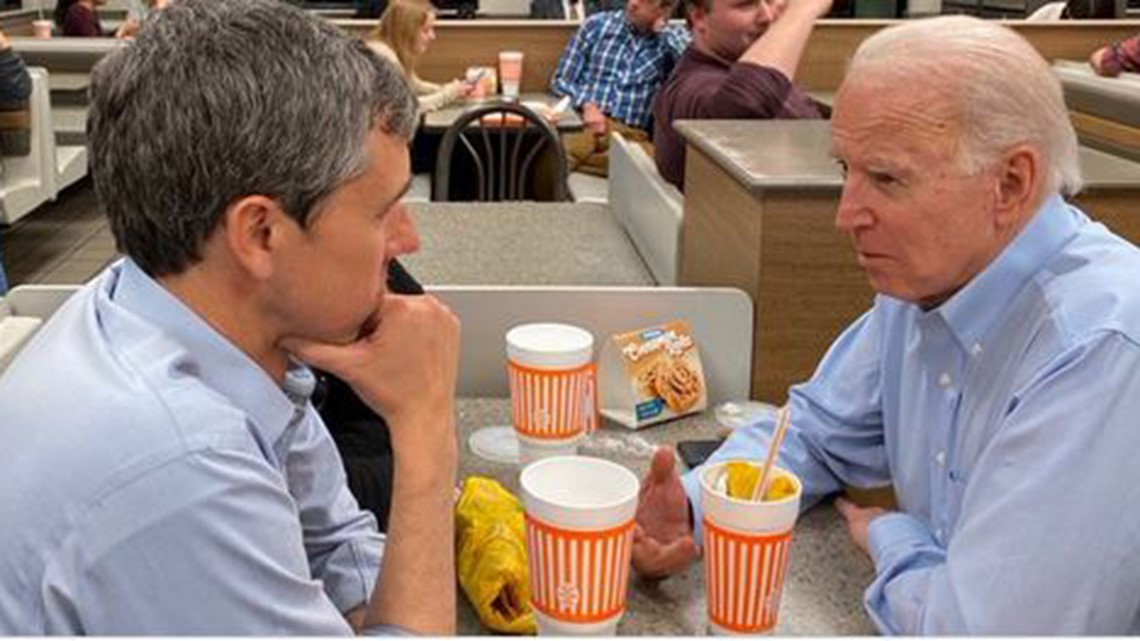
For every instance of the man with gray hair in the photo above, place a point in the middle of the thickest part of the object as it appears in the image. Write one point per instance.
(995, 383)
(163, 470)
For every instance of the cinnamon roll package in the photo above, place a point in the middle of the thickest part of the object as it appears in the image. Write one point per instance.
(652, 375)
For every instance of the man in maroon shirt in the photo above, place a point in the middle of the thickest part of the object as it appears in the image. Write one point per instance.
(740, 65)
(1122, 56)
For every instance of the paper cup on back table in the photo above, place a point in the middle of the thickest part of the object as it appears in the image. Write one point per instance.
(552, 379)
(510, 72)
(579, 528)
(747, 546)
(42, 28)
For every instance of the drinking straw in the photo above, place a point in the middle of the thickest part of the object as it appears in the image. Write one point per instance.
(783, 419)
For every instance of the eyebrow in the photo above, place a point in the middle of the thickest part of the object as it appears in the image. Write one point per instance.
(403, 192)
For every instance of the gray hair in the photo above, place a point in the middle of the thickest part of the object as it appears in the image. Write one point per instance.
(1004, 91)
(221, 99)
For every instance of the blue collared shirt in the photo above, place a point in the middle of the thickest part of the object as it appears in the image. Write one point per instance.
(1008, 419)
(610, 64)
(155, 480)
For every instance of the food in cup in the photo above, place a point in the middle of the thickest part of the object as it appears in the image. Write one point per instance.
(747, 549)
(741, 478)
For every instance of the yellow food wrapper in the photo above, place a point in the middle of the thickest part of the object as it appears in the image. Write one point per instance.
(491, 556)
(742, 479)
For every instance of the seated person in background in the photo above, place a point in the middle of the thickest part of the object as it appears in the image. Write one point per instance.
(15, 87)
(996, 380)
(187, 485)
(741, 64)
(404, 32)
(1116, 58)
(80, 18)
(611, 69)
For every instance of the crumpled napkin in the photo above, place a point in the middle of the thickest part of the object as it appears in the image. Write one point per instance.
(491, 556)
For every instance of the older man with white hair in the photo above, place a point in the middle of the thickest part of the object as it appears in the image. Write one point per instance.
(995, 383)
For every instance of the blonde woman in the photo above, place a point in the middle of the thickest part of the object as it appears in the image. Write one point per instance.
(405, 30)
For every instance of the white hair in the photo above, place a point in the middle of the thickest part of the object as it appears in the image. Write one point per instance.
(1004, 91)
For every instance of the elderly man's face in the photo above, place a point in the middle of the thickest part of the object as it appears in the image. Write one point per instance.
(731, 26)
(921, 226)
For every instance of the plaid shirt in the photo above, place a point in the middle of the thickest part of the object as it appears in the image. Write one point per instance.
(618, 69)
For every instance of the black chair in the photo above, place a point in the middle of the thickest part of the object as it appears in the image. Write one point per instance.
(518, 158)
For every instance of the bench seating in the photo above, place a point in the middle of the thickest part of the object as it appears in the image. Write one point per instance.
(648, 207)
(1105, 111)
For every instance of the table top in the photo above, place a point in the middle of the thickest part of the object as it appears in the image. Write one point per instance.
(441, 119)
(525, 243)
(823, 595)
(795, 154)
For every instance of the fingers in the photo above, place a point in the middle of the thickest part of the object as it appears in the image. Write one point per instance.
(661, 470)
(848, 509)
(655, 560)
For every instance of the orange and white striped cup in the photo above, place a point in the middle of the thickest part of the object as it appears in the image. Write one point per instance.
(746, 546)
(579, 529)
(553, 388)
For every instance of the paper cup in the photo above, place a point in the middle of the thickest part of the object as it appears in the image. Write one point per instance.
(553, 388)
(747, 546)
(579, 528)
(510, 72)
(42, 28)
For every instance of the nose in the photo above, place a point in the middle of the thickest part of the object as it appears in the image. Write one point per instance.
(853, 212)
(404, 237)
(769, 11)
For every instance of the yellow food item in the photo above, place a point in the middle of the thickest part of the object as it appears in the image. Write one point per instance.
(491, 556)
(742, 479)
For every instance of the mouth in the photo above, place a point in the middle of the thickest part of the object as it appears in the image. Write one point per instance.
(865, 257)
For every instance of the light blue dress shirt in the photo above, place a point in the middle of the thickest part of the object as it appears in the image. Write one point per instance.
(1008, 420)
(155, 480)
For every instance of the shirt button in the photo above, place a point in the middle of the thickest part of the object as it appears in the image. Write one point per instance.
(976, 349)
(940, 459)
(944, 380)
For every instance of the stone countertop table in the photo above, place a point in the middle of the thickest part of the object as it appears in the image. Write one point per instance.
(524, 243)
(794, 154)
(827, 576)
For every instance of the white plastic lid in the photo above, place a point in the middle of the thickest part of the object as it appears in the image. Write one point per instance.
(549, 345)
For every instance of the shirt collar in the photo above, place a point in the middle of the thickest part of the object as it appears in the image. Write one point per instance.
(216, 361)
(972, 311)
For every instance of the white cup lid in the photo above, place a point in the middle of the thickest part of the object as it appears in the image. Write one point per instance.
(549, 345)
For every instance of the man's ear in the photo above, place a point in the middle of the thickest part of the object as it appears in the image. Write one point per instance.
(255, 228)
(1018, 184)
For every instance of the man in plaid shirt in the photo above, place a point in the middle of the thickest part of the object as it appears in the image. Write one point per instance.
(611, 70)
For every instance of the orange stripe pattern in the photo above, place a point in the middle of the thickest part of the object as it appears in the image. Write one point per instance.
(576, 576)
(744, 577)
(553, 404)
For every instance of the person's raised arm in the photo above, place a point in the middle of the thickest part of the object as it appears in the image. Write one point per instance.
(783, 45)
(406, 369)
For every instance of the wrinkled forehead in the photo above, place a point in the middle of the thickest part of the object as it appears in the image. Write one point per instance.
(885, 112)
